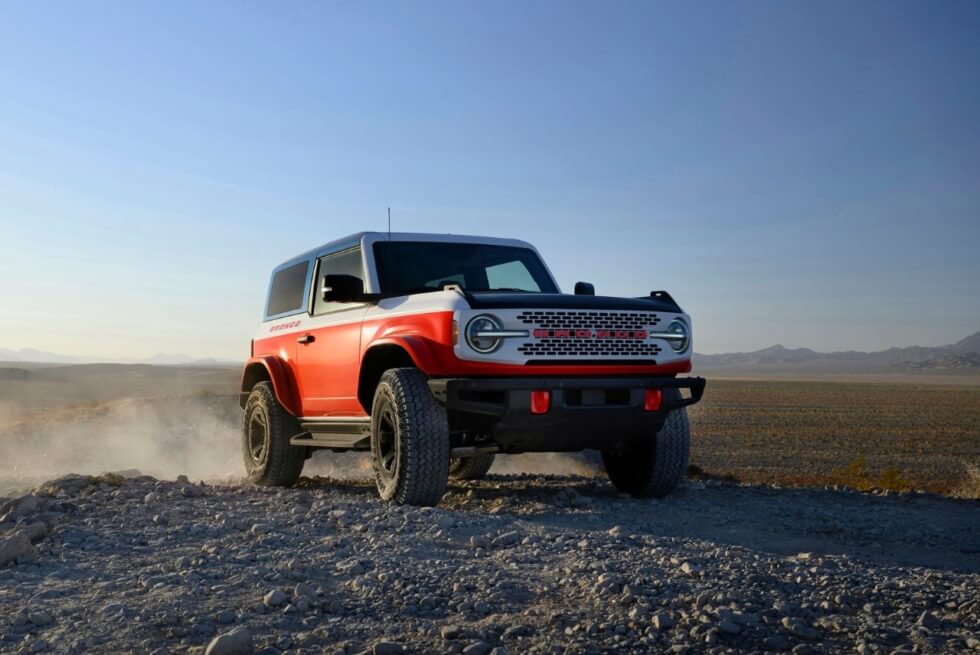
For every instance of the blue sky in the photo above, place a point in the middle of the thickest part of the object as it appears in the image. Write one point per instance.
(800, 173)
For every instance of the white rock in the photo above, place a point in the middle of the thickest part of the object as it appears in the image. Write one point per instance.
(12, 547)
(236, 642)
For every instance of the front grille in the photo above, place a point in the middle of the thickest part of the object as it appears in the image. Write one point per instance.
(589, 348)
(591, 345)
(587, 320)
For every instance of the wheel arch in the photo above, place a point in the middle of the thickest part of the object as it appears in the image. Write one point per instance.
(392, 352)
(274, 370)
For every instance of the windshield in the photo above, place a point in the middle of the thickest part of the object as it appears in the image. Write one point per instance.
(413, 266)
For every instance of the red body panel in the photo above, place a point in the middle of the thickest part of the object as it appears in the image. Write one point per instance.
(320, 378)
(327, 369)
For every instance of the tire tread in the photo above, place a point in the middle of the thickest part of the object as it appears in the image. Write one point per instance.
(423, 472)
(285, 461)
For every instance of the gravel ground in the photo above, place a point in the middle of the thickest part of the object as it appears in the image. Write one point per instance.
(512, 564)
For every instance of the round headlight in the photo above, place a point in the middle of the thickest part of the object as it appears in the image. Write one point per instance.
(479, 324)
(679, 342)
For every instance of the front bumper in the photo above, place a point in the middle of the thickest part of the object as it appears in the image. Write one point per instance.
(585, 412)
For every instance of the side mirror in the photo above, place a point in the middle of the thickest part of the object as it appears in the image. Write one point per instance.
(341, 288)
(584, 289)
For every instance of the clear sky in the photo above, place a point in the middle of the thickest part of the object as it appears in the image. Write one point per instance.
(800, 173)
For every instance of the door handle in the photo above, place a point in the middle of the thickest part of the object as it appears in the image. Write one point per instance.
(306, 338)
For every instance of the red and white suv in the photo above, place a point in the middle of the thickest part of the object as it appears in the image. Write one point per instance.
(436, 351)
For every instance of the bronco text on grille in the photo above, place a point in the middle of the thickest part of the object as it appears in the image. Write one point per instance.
(435, 352)
(616, 334)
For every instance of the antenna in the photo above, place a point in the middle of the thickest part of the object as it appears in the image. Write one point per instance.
(389, 224)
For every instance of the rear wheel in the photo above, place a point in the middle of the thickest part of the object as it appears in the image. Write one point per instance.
(652, 467)
(409, 439)
(474, 467)
(269, 457)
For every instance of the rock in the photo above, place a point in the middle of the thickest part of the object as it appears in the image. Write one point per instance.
(236, 642)
(774, 643)
(729, 628)
(225, 617)
(35, 531)
(40, 619)
(690, 568)
(515, 631)
(662, 621)
(387, 648)
(804, 649)
(305, 590)
(351, 566)
(928, 620)
(481, 608)
(38, 646)
(14, 546)
(799, 628)
(507, 539)
(19, 507)
(450, 631)
(191, 491)
(444, 521)
(275, 598)
(478, 648)
(69, 485)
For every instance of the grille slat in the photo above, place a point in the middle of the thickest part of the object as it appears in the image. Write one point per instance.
(589, 320)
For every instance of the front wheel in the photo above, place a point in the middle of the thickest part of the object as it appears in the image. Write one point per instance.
(652, 467)
(269, 457)
(409, 439)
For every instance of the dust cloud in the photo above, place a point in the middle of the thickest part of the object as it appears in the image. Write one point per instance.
(587, 463)
(199, 437)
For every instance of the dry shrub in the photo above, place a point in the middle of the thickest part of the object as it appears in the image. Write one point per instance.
(858, 476)
(970, 485)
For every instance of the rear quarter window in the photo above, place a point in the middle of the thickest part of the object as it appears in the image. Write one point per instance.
(287, 293)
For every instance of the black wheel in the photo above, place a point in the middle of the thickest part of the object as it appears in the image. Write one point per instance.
(652, 467)
(268, 427)
(409, 439)
(474, 467)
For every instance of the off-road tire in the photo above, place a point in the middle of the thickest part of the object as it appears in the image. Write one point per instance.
(474, 467)
(652, 467)
(270, 460)
(409, 439)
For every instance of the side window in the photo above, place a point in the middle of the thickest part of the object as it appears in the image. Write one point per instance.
(341, 263)
(511, 275)
(286, 292)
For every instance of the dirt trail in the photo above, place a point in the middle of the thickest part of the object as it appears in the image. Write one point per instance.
(512, 564)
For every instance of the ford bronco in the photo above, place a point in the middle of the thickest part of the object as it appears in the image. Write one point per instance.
(434, 352)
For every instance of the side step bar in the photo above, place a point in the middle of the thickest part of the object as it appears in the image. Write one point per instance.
(344, 434)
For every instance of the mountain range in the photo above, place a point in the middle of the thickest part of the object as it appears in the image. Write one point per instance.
(962, 355)
(160, 359)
